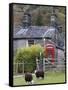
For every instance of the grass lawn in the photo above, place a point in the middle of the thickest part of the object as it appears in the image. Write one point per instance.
(50, 77)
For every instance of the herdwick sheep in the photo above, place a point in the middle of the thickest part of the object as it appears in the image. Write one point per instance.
(28, 78)
(39, 74)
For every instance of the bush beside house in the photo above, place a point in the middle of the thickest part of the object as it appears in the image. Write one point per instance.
(28, 56)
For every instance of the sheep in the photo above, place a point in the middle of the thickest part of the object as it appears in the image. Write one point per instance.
(29, 78)
(39, 74)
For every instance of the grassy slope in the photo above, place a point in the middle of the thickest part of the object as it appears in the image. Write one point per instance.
(50, 77)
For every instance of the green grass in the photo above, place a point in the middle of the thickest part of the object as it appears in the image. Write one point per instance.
(50, 77)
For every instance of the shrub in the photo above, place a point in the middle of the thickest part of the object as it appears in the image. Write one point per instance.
(28, 56)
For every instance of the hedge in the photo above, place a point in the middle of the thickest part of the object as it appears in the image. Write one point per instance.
(28, 56)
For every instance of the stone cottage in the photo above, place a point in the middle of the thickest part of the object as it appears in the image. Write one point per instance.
(27, 35)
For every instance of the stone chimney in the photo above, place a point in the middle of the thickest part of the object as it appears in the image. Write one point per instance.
(53, 17)
(26, 20)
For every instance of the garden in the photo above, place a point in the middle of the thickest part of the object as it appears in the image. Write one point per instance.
(25, 61)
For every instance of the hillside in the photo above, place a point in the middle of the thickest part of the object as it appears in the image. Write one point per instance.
(41, 13)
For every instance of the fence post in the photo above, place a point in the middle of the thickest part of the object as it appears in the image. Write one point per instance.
(44, 64)
(23, 67)
(17, 67)
(37, 63)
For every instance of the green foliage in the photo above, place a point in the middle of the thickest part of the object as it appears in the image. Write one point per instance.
(28, 56)
(40, 14)
(39, 19)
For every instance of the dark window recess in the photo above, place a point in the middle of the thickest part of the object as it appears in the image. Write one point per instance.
(30, 42)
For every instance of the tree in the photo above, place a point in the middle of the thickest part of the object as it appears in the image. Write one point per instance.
(39, 20)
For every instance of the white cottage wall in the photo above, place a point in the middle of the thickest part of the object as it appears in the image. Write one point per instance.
(19, 44)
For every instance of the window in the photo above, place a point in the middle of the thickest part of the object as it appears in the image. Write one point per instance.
(30, 42)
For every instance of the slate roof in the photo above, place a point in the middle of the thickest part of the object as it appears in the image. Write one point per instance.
(35, 32)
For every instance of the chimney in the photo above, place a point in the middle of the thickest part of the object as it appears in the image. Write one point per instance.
(26, 20)
(53, 17)
(54, 20)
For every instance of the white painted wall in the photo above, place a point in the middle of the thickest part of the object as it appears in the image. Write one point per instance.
(19, 43)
